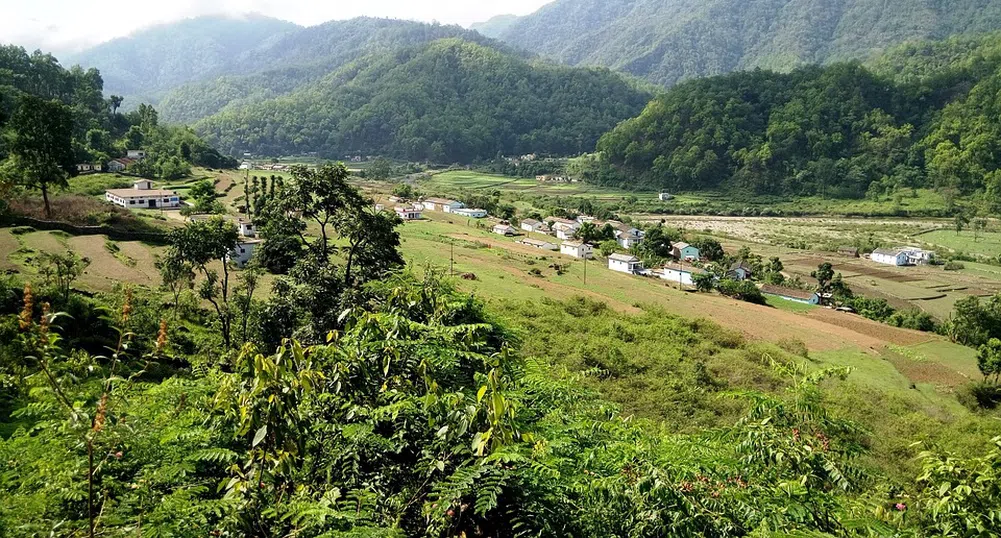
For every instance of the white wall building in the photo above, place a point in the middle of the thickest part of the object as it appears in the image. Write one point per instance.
(665, 197)
(532, 225)
(441, 204)
(408, 213)
(143, 195)
(680, 274)
(890, 256)
(577, 249)
(505, 230)
(625, 263)
(473, 213)
(137, 154)
(246, 228)
(544, 245)
(243, 252)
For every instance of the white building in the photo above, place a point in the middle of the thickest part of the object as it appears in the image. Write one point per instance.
(791, 294)
(136, 154)
(577, 249)
(117, 165)
(680, 274)
(665, 197)
(408, 213)
(441, 204)
(625, 263)
(543, 245)
(890, 256)
(246, 228)
(473, 213)
(532, 225)
(87, 167)
(243, 252)
(505, 230)
(143, 195)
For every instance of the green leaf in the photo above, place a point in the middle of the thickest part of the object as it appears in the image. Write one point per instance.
(259, 436)
(480, 393)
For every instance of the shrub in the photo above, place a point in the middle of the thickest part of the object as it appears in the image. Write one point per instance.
(980, 395)
(21, 230)
(743, 290)
(954, 266)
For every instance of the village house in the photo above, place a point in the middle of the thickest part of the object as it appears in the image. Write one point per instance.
(792, 294)
(473, 213)
(565, 229)
(539, 244)
(899, 256)
(246, 228)
(143, 195)
(408, 213)
(627, 236)
(505, 230)
(577, 249)
(665, 197)
(120, 164)
(684, 251)
(243, 252)
(532, 225)
(441, 204)
(739, 271)
(86, 168)
(681, 274)
(624, 263)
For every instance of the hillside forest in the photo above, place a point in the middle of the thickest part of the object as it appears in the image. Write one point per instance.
(924, 115)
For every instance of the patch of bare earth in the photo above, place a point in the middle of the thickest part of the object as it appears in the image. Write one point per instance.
(105, 270)
(926, 372)
(860, 325)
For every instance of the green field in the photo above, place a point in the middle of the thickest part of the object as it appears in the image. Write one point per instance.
(983, 244)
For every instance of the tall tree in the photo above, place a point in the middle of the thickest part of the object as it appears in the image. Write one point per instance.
(320, 196)
(39, 140)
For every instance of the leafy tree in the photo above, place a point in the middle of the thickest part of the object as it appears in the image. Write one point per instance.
(656, 243)
(323, 196)
(176, 275)
(61, 270)
(989, 359)
(39, 143)
(373, 245)
(704, 282)
(709, 249)
(608, 247)
(200, 243)
(116, 102)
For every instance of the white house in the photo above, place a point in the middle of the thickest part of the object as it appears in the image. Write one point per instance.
(244, 251)
(117, 165)
(565, 229)
(684, 251)
(890, 256)
(532, 225)
(665, 197)
(791, 294)
(87, 167)
(408, 213)
(246, 228)
(625, 263)
(680, 274)
(143, 195)
(505, 230)
(441, 204)
(577, 249)
(136, 154)
(473, 213)
(539, 244)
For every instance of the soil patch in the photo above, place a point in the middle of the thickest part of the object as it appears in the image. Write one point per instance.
(860, 325)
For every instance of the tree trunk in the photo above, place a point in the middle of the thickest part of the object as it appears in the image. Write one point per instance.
(45, 198)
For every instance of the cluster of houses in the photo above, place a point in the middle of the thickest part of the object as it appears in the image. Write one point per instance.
(120, 164)
(414, 211)
(555, 178)
(901, 256)
(247, 165)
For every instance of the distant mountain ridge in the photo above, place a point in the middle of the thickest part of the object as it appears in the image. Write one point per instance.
(667, 41)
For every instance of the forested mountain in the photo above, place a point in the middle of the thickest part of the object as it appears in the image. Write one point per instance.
(495, 26)
(667, 41)
(447, 101)
(152, 60)
(926, 114)
(299, 58)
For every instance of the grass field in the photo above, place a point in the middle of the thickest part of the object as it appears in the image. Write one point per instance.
(983, 244)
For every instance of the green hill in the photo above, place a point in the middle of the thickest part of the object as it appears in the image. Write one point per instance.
(667, 41)
(150, 61)
(925, 114)
(448, 101)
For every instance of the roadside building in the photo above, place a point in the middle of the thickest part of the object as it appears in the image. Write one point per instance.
(143, 195)
(408, 213)
(680, 274)
(539, 244)
(890, 256)
(577, 249)
(505, 229)
(624, 263)
(791, 294)
(684, 251)
(473, 213)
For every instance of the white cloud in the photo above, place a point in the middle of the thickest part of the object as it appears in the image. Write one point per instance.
(69, 25)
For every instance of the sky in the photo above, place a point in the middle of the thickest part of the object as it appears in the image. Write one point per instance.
(72, 25)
